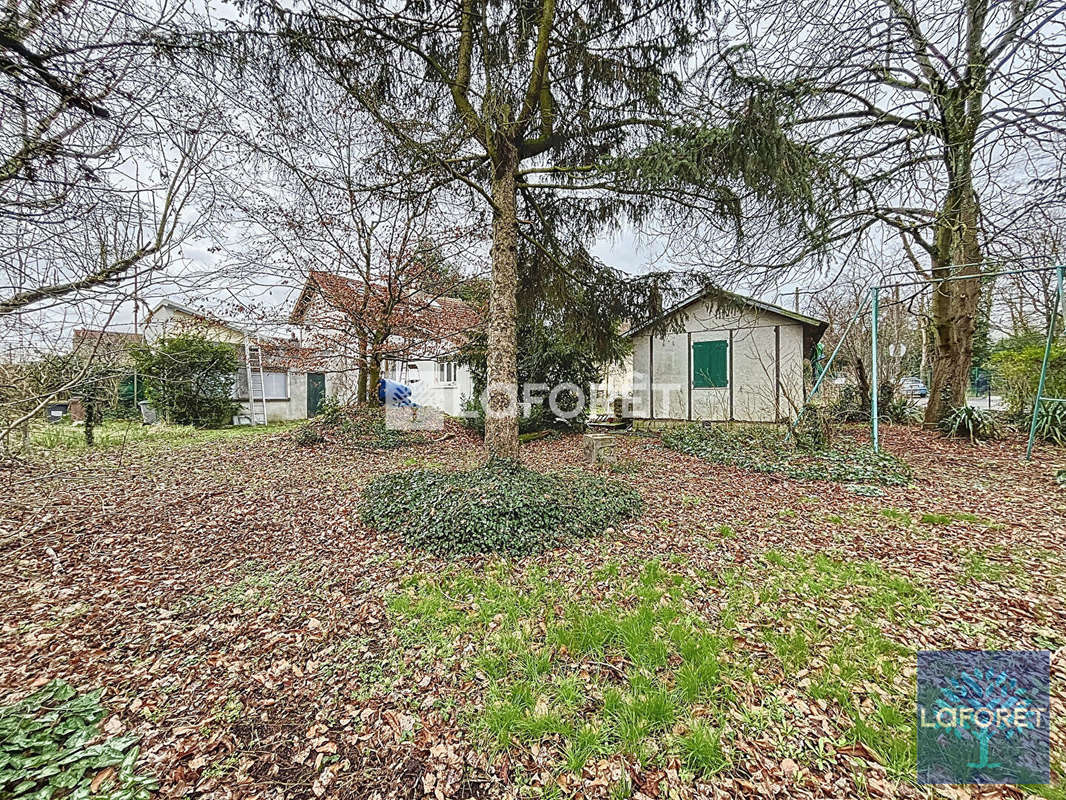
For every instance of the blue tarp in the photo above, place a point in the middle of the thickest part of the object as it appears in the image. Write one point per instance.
(392, 394)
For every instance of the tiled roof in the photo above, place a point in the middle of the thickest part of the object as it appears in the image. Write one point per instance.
(428, 323)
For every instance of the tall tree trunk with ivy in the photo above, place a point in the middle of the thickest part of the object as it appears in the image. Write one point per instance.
(956, 255)
(501, 412)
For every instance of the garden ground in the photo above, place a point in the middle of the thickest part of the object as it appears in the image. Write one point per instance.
(748, 635)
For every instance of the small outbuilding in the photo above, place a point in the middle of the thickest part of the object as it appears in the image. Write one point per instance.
(722, 357)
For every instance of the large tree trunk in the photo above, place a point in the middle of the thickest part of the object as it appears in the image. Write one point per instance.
(501, 411)
(362, 387)
(373, 377)
(954, 305)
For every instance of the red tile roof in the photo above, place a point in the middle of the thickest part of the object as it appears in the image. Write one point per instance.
(429, 323)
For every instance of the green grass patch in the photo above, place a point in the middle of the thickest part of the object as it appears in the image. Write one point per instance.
(763, 449)
(896, 515)
(64, 438)
(258, 586)
(978, 567)
(499, 507)
(623, 661)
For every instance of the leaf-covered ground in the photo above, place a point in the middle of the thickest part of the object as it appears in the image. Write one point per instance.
(748, 635)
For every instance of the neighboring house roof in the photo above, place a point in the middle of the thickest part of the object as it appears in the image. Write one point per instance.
(277, 353)
(436, 322)
(190, 312)
(95, 337)
(286, 354)
(813, 324)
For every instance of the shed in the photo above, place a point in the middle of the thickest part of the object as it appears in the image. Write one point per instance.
(723, 357)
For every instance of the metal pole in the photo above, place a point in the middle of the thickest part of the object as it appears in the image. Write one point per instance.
(825, 370)
(948, 279)
(874, 307)
(1043, 366)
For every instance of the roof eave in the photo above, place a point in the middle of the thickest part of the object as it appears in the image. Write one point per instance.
(812, 322)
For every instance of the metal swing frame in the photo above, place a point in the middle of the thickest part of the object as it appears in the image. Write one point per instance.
(872, 302)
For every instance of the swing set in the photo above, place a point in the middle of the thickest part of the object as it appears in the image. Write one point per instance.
(872, 302)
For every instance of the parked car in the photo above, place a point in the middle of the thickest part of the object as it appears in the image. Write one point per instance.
(913, 387)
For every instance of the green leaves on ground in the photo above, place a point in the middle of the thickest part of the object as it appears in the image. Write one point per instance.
(361, 428)
(764, 450)
(499, 507)
(50, 747)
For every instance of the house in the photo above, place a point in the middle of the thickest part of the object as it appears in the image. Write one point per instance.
(112, 347)
(719, 356)
(290, 390)
(340, 317)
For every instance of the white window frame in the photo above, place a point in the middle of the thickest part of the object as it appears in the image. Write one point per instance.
(271, 395)
(447, 372)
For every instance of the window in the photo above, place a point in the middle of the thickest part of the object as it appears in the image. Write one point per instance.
(710, 365)
(276, 385)
(446, 371)
(413, 375)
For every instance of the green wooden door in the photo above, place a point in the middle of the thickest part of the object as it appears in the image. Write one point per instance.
(316, 392)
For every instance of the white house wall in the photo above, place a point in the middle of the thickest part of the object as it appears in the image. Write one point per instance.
(765, 367)
(448, 397)
(295, 407)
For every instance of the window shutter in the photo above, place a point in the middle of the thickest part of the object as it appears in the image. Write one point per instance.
(710, 365)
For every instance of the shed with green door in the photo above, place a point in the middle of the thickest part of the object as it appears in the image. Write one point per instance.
(723, 357)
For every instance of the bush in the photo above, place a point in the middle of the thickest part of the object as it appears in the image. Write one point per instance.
(50, 746)
(813, 432)
(189, 379)
(1016, 368)
(971, 423)
(331, 412)
(1051, 423)
(365, 428)
(901, 411)
(763, 449)
(849, 406)
(497, 508)
(537, 420)
(307, 435)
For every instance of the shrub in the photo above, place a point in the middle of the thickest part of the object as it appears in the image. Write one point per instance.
(189, 379)
(50, 747)
(763, 449)
(306, 435)
(365, 428)
(901, 411)
(538, 418)
(849, 406)
(500, 507)
(971, 423)
(1051, 423)
(1016, 368)
(331, 412)
(813, 432)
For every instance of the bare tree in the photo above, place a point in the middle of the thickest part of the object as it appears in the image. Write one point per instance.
(99, 148)
(944, 120)
(386, 289)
